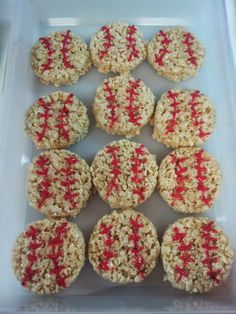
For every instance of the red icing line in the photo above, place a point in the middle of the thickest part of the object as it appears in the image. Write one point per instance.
(56, 245)
(46, 41)
(69, 180)
(184, 256)
(210, 248)
(115, 170)
(108, 254)
(131, 30)
(138, 176)
(200, 177)
(173, 121)
(133, 111)
(159, 57)
(188, 41)
(196, 115)
(112, 105)
(137, 248)
(180, 171)
(44, 186)
(108, 42)
(66, 40)
(45, 116)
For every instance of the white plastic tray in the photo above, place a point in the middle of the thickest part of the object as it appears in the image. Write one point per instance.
(35, 18)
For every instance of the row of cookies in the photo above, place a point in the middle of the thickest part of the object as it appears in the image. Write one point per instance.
(62, 57)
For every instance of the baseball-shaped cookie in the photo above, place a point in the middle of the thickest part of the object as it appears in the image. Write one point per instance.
(59, 183)
(196, 254)
(189, 180)
(124, 173)
(48, 256)
(183, 118)
(176, 54)
(124, 247)
(60, 58)
(117, 47)
(123, 105)
(56, 121)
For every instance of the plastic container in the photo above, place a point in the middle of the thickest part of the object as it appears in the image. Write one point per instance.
(35, 18)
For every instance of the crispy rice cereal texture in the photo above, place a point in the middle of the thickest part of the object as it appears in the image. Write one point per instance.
(48, 256)
(56, 121)
(175, 54)
(196, 254)
(183, 118)
(123, 105)
(59, 183)
(189, 180)
(124, 174)
(117, 47)
(124, 247)
(60, 58)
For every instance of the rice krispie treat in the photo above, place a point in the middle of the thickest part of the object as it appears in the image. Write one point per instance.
(189, 180)
(56, 121)
(124, 247)
(48, 256)
(117, 47)
(183, 118)
(124, 174)
(175, 54)
(196, 254)
(60, 58)
(123, 105)
(59, 183)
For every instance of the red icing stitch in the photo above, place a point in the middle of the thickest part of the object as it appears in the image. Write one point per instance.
(108, 42)
(173, 121)
(46, 41)
(184, 256)
(112, 105)
(131, 30)
(69, 181)
(115, 171)
(44, 186)
(132, 96)
(108, 254)
(188, 41)
(196, 115)
(137, 171)
(137, 248)
(159, 57)
(45, 116)
(201, 170)
(56, 245)
(210, 246)
(66, 40)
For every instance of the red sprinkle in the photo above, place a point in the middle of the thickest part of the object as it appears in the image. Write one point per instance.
(173, 121)
(137, 162)
(210, 248)
(46, 41)
(133, 111)
(66, 40)
(115, 170)
(131, 31)
(137, 248)
(159, 57)
(108, 42)
(112, 105)
(45, 116)
(108, 254)
(189, 41)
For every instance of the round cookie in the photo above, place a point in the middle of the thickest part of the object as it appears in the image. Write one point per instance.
(175, 54)
(56, 121)
(183, 118)
(189, 180)
(123, 105)
(196, 254)
(124, 173)
(48, 256)
(124, 247)
(59, 183)
(60, 58)
(117, 47)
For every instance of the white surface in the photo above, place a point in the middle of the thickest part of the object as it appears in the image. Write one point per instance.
(35, 18)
